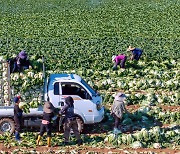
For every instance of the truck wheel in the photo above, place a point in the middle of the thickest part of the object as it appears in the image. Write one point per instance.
(80, 125)
(7, 125)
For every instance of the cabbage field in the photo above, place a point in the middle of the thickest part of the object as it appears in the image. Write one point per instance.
(80, 36)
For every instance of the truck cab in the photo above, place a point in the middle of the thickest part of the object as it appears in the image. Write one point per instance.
(87, 102)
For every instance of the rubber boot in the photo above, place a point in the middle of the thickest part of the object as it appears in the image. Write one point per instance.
(49, 141)
(17, 136)
(38, 140)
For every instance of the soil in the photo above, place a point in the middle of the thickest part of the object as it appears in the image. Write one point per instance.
(132, 107)
(137, 91)
(107, 150)
(164, 107)
(170, 108)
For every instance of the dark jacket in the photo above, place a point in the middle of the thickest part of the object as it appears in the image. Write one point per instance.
(68, 110)
(17, 63)
(23, 62)
(137, 53)
(48, 116)
(17, 112)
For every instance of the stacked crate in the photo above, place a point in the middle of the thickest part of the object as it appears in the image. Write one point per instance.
(5, 91)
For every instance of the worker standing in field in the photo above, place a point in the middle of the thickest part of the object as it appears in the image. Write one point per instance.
(136, 53)
(20, 62)
(119, 60)
(17, 118)
(46, 126)
(70, 121)
(117, 110)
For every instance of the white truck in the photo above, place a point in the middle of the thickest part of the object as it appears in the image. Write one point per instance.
(87, 102)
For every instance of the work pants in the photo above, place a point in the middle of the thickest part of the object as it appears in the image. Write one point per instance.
(68, 125)
(45, 128)
(18, 126)
(137, 56)
(122, 64)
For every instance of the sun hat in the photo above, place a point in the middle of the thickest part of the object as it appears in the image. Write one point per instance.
(119, 96)
(22, 55)
(130, 48)
(48, 107)
(113, 57)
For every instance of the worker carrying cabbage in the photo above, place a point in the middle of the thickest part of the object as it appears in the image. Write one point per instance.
(18, 119)
(117, 110)
(119, 60)
(46, 125)
(136, 53)
(20, 62)
(70, 121)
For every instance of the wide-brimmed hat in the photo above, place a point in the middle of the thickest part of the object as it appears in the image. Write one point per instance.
(48, 107)
(119, 96)
(113, 57)
(130, 48)
(22, 55)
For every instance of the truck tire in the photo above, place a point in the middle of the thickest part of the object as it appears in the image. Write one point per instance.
(7, 125)
(80, 125)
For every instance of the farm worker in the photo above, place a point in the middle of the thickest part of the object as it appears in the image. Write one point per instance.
(70, 121)
(117, 110)
(136, 53)
(20, 62)
(17, 118)
(46, 126)
(119, 60)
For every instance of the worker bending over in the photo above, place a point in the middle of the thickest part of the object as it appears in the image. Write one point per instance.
(136, 53)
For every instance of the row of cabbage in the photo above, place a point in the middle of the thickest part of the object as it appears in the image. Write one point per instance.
(147, 117)
(159, 114)
(29, 84)
(147, 98)
(155, 137)
(133, 79)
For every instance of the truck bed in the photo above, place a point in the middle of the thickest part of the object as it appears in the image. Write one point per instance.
(8, 111)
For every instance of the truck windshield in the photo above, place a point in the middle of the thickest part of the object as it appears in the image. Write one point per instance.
(93, 92)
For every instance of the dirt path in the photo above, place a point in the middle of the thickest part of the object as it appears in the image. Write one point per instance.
(137, 91)
(135, 107)
(164, 107)
(170, 108)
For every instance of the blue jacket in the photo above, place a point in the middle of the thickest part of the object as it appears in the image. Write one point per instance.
(137, 53)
